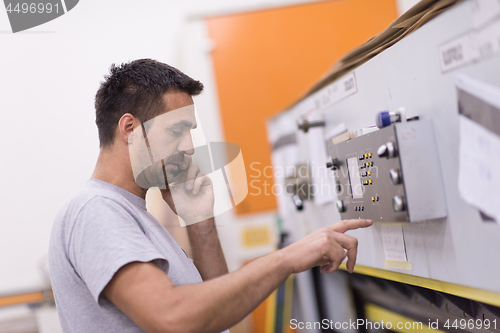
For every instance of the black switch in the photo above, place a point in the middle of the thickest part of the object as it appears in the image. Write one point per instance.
(333, 164)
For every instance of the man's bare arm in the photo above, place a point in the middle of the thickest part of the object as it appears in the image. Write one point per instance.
(146, 294)
(207, 251)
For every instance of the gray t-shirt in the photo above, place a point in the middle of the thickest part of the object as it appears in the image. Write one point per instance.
(100, 229)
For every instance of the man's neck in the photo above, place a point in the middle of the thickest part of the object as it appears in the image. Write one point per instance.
(111, 168)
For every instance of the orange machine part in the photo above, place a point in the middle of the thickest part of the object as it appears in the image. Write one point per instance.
(265, 60)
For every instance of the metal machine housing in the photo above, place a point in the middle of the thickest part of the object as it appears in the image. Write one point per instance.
(399, 172)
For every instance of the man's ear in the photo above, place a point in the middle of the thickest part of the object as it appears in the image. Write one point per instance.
(126, 126)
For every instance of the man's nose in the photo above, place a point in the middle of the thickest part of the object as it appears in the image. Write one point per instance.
(186, 146)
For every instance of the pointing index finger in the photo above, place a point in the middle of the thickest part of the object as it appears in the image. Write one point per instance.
(346, 225)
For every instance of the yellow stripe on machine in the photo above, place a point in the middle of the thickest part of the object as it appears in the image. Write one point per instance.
(480, 295)
(399, 323)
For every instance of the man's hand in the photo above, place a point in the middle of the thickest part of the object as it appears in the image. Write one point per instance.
(190, 194)
(326, 247)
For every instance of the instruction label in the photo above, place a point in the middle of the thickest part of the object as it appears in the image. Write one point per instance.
(472, 47)
(394, 243)
(335, 92)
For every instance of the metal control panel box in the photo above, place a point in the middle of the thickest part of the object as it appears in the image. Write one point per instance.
(390, 175)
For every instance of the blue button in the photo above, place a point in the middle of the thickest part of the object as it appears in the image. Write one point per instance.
(383, 119)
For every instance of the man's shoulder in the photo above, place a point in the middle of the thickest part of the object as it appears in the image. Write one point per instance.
(86, 208)
(94, 199)
(87, 195)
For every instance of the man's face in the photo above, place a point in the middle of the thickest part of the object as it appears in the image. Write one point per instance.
(169, 142)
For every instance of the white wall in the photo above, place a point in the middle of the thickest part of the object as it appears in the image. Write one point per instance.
(49, 140)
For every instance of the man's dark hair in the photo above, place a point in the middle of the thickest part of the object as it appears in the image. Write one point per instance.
(137, 88)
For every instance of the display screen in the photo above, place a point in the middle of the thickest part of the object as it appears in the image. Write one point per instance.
(354, 179)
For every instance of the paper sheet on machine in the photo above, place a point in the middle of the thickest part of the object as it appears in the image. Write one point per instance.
(479, 149)
(394, 244)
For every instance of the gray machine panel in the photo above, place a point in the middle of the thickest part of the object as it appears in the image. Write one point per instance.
(421, 170)
(364, 185)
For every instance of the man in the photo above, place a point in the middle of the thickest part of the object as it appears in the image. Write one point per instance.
(114, 268)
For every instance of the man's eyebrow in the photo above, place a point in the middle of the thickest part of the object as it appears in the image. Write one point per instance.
(186, 123)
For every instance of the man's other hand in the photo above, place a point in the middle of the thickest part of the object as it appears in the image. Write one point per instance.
(190, 194)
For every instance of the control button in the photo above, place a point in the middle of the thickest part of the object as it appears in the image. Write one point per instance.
(356, 208)
(385, 118)
(377, 198)
(369, 173)
(362, 166)
(366, 155)
(367, 164)
(340, 206)
(365, 182)
(370, 181)
(373, 199)
(395, 176)
(371, 164)
(382, 151)
(388, 150)
(361, 157)
(398, 203)
(364, 174)
(369, 155)
(362, 208)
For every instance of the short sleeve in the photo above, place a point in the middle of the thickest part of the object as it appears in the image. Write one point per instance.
(106, 237)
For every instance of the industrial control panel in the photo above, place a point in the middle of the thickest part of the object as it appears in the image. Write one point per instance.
(389, 175)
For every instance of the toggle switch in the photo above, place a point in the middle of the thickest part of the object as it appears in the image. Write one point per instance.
(387, 150)
(305, 124)
(398, 203)
(340, 206)
(298, 202)
(333, 164)
(395, 176)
